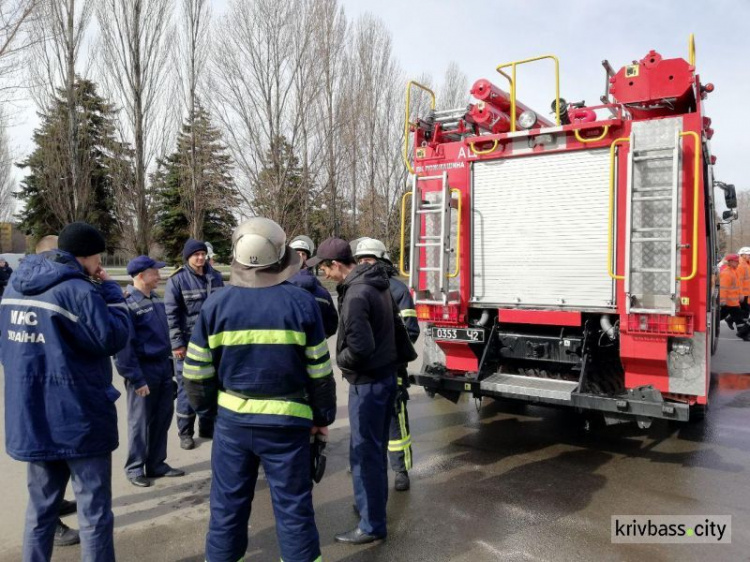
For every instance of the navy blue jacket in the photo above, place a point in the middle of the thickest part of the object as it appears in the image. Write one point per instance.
(405, 303)
(59, 330)
(146, 359)
(305, 279)
(262, 356)
(185, 294)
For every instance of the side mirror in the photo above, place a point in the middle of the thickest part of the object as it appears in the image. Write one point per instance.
(730, 215)
(730, 196)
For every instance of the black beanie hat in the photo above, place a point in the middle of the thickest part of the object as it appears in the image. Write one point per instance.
(81, 240)
(192, 246)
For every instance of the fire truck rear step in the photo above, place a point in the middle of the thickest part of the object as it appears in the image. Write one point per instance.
(519, 386)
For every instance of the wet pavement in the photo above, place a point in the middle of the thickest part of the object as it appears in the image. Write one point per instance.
(496, 481)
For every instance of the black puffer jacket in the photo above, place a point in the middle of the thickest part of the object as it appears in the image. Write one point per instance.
(366, 347)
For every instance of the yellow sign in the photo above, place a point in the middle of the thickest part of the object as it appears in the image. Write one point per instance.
(467, 386)
(631, 71)
(685, 301)
(421, 153)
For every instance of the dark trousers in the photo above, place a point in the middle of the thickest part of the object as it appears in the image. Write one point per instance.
(92, 485)
(285, 454)
(399, 445)
(186, 414)
(370, 410)
(149, 418)
(745, 306)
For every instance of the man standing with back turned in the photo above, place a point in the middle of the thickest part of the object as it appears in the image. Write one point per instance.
(366, 354)
(259, 352)
(61, 320)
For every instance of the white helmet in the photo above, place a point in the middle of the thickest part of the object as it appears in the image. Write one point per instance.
(258, 242)
(744, 250)
(303, 243)
(371, 247)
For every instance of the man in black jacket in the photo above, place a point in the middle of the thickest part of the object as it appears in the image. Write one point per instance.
(366, 354)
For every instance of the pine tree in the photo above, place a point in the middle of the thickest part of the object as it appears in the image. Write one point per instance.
(51, 197)
(195, 192)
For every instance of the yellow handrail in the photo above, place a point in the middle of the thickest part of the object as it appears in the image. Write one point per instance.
(480, 152)
(458, 237)
(593, 139)
(513, 65)
(610, 239)
(691, 49)
(696, 193)
(403, 233)
(406, 118)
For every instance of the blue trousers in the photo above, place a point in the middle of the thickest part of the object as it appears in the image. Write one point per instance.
(235, 456)
(370, 410)
(92, 485)
(149, 418)
(185, 412)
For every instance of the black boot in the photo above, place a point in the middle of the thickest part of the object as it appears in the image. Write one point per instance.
(65, 536)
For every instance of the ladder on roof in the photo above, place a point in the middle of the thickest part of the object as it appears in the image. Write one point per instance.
(653, 225)
(430, 251)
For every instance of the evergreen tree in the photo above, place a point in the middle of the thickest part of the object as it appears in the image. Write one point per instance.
(53, 197)
(195, 192)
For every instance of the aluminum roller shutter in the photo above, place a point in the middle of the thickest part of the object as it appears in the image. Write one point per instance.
(540, 231)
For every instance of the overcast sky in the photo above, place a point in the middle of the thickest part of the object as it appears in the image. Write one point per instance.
(427, 35)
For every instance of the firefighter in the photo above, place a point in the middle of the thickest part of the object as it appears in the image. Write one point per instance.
(743, 273)
(146, 365)
(371, 250)
(62, 318)
(5, 271)
(729, 296)
(187, 290)
(307, 280)
(258, 351)
(366, 353)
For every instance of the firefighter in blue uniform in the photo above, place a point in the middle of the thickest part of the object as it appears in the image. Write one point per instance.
(146, 365)
(307, 280)
(370, 250)
(61, 319)
(187, 290)
(259, 351)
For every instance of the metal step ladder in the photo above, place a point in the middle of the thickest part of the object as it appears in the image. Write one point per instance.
(436, 263)
(652, 250)
(520, 386)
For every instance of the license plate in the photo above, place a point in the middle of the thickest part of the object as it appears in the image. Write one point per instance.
(458, 334)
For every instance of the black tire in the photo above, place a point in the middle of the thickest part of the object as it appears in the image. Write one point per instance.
(698, 413)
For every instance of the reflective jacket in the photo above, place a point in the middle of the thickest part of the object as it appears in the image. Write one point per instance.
(729, 287)
(59, 330)
(743, 274)
(146, 358)
(262, 356)
(405, 303)
(366, 344)
(185, 294)
(307, 280)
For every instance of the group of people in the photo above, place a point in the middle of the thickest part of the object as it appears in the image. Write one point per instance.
(734, 292)
(250, 360)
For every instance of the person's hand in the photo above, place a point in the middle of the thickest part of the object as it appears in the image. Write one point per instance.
(321, 430)
(142, 391)
(179, 353)
(101, 274)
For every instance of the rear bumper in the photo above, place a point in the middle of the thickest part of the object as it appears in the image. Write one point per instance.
(644, 402)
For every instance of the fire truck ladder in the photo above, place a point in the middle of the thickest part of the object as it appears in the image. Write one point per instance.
(653, 218)
(435, 265)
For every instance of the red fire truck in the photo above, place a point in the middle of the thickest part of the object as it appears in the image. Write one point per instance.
(571, 262)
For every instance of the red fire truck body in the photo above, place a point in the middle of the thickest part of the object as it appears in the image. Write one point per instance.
(571, 263)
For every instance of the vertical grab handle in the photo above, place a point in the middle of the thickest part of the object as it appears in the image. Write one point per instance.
(403, 234)
(458, 237)
(696, 208)
(611, 266)
(406, 118)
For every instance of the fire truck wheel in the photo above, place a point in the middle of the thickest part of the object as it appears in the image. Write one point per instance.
(698, 413)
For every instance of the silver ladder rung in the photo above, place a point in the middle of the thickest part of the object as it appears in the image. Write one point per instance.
(429, 237)
(642, 150)
(651, 189)
(653, 198)
(427, 244)
(653, 229)
(650, 270)
(642, 240)
(427, 178)
(429, 269)
(648, 158)
(429, 211)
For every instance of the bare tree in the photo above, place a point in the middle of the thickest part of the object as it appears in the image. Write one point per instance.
(136, 37)
(14, 14)
(7, 181)
(454, 92)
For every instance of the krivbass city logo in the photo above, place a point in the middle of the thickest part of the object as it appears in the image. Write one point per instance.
(677, 529)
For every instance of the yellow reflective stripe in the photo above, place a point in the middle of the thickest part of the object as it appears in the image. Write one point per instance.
(317, 351)
(408, 313)
(405, 433)
(197, 373)
(320, 370)
(199, 354)
(248, 337)
(399, 445)
(271, 407)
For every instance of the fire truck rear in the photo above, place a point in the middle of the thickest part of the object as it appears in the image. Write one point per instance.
(571, 262)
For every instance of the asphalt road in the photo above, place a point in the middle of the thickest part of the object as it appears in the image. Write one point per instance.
(494, 482)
